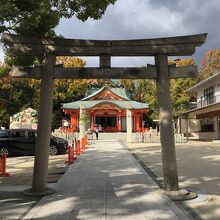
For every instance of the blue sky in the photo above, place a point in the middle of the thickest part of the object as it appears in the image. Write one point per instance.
(142, 19)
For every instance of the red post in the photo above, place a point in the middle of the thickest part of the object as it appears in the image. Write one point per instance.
(69, 159)
(73, 121)
(68, 156)
(3, 166)
(83, 144)
(73, 152)
(78, 148)
(92, 122)
(86, 142)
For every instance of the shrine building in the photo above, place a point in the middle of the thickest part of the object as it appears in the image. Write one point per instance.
(106, 109)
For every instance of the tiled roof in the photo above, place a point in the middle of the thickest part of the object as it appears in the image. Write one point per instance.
(122, 104)
(121, 92)
(92, 103)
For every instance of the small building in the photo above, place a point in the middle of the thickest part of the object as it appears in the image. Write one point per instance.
(106, 109)
(24, 119)
(203, 121)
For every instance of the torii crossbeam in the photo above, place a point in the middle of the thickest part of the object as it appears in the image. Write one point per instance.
(160, 48)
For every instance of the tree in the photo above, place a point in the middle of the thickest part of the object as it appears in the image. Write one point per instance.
(145, 90)
(16, 93)
(39, 18)
(148, 90)
(180, 98)
(22, 93)
(210, 64)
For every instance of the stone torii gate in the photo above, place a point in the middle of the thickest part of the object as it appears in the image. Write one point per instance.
(160, 48)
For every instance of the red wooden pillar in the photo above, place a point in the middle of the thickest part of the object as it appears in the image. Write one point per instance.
(119, 121)
(73, 122)
(77, 122)
(137, 122)
(92, 121)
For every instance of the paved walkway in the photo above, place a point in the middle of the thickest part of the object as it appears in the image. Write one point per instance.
(106, 183)
(198, 168)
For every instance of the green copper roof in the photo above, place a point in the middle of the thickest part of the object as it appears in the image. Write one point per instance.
(122, 104)
(93, 103)
(121, 92)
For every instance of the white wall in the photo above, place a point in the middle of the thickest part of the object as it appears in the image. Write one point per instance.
(204, 135)
(215, 83)
(194, 125)
(195, 130)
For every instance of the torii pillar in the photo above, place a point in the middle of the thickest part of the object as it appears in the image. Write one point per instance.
(39, 183)
(166, 123)
(170, 173)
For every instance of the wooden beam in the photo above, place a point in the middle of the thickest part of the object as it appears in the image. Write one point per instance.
(105, 73)
(172, 46)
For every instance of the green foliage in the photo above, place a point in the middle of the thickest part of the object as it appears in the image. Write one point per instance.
(39, 18)
(4, 69)
(180, 98)
(4, 117)
(210, 64)
(22, 93)
(16, 93)
(148, 90)
(143, 91)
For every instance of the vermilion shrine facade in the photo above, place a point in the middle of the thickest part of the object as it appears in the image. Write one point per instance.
(106, 109)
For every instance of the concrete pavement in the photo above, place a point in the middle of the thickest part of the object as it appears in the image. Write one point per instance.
(198, 168)
(106, 182)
